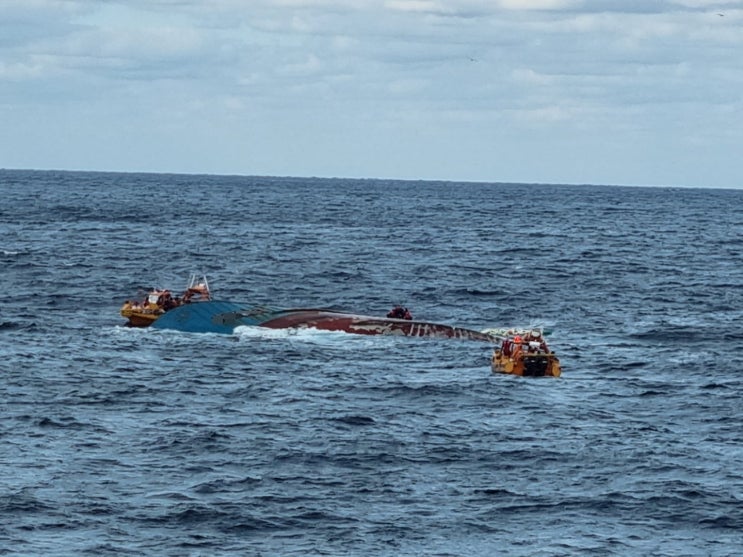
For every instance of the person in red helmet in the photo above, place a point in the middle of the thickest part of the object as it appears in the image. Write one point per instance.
(516, 350)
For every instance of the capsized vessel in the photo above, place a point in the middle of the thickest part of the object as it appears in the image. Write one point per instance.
(196, 311)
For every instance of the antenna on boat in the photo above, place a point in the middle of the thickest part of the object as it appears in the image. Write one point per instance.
(194, 280)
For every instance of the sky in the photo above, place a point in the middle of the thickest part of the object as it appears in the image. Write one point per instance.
(612, 92)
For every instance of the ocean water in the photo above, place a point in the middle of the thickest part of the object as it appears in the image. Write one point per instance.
(116, 441)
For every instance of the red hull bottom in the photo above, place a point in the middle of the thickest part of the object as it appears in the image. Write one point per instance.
(363, 325)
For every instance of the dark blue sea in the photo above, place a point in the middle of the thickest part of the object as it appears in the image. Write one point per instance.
(118, 441)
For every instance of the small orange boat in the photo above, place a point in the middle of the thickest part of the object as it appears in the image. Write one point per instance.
(526, 355)
(157, 302)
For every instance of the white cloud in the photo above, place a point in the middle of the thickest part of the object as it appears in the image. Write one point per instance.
(536, 4)
(401, 76)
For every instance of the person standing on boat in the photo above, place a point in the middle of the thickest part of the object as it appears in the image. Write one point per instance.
(166, 301)
(535, 336)
(399, 312)
(516, 346)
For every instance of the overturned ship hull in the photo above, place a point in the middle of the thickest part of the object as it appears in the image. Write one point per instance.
(224, 317)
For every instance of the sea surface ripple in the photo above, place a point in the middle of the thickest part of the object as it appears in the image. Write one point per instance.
(117, 441)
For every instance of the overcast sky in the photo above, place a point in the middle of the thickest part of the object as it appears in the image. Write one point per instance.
(637, 92)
